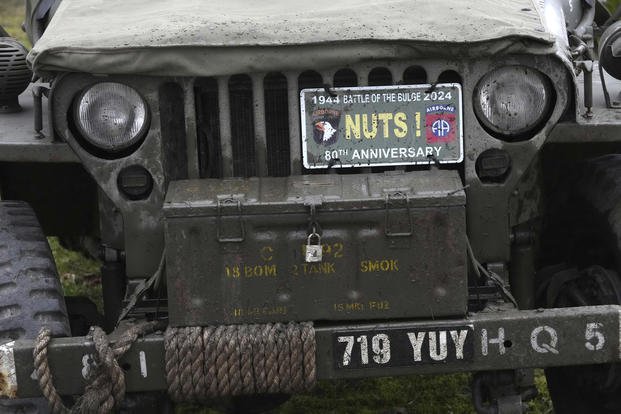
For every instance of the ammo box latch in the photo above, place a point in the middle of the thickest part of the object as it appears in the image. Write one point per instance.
(398, 215)
(313, 202)
(230, 220)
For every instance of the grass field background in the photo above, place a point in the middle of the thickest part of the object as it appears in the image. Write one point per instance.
(11, 18)
(411, 394)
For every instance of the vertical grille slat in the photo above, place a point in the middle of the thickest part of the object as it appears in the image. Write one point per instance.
(172, 109)
(226, 144)
(250, 124)
(363, 79)
(191, 141)
(208, 128)
(242, 126)
(277, 124)
(260, 123)
(295, 145)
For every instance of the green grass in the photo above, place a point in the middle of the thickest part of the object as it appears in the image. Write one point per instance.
(11, 18)
(428, 394)
(409, 394)
(79, 275)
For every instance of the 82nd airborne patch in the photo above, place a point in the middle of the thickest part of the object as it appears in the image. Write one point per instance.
(440, 124)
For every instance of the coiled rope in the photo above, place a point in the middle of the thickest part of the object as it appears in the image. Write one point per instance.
(201, 363)
(216, 361)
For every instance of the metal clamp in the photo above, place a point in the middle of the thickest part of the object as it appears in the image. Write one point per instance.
(313, 202)
(238, 237)
(38, 92)
(391, 222)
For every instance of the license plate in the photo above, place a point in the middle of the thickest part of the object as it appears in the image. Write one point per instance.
(402, 347)
(381, 126)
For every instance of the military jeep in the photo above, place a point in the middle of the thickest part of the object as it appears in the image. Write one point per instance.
(285, 192)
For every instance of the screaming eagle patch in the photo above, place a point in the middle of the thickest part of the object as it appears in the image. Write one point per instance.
(325, 126)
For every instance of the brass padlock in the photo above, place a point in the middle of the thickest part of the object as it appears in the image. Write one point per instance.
(314, 252)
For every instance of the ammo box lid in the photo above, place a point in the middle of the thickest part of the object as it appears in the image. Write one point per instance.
(270, 195)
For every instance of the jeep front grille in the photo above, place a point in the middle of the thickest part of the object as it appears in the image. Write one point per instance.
(249, 125)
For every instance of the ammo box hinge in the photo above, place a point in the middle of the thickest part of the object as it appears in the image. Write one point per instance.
(398, 215)
(230, 223)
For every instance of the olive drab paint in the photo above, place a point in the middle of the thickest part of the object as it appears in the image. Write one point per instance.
(361, 193)
(332, 247)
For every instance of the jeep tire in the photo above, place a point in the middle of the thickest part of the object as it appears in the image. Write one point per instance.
(30, 292)
(592, 229)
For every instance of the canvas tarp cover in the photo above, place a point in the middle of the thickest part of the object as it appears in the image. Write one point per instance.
(214, 37)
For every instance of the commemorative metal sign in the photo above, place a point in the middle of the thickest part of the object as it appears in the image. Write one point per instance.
(385, 125)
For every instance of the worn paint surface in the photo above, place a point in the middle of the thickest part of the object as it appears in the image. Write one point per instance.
(201, 38)
(20, 143)
(486, 210)
(492, 340)
(392, 246)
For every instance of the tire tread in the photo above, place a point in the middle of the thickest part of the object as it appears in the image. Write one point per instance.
(597, 189)
(30, 291)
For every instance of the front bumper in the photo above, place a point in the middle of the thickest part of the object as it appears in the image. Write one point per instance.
(502, 339)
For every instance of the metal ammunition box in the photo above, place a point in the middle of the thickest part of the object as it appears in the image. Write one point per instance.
(392, 246)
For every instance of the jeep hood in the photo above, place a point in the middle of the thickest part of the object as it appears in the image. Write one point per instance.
(215, 37)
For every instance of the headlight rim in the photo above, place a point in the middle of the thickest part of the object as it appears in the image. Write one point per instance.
(118, 150)
(524, 133)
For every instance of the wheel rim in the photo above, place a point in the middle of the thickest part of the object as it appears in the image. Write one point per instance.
(595, 285)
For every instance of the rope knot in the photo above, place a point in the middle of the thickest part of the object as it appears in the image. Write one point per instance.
(201, 363)
(106, 388)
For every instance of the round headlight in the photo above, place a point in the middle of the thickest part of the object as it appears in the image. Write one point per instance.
(513, 100)
(111, 116)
